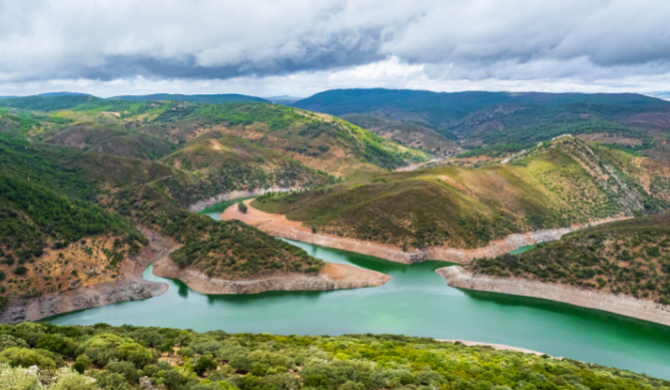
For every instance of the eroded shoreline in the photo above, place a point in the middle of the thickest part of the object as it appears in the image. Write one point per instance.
(624, 305)
(130, 286)
(278, 225)
(332, 277)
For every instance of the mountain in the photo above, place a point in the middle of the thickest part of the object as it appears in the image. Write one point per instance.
(284, 99)
(213, 99)
(507, 121)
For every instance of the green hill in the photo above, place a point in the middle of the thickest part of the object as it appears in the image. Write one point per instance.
(629, 257)
(512, 121)
(117, 357)
(406, 133)
(555, 185)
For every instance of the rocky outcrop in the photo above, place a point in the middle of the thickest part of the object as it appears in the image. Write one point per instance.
(129, 287)
(619, 304)
(207, 203)
(278, 225)
(331, 277)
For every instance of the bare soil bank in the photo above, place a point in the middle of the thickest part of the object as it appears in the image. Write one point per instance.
(129, 286)
(278, 225)
(497, 347)
(332, 277)
(619, 304)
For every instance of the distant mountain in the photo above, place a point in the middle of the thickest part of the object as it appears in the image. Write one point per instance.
(62, 93)
(285, 99)
(7, 97)
(491, 118)
(214, 99)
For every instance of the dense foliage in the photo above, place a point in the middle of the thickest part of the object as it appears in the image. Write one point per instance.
(630, 257)
(117, 357)
(223, 249)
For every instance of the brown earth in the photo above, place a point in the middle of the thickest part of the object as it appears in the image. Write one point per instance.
(129, 286)
(619, 304)
(278, 225)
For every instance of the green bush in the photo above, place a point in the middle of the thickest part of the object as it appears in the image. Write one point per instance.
(23, 357)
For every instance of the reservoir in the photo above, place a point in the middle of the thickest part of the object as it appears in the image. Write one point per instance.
(416, 302)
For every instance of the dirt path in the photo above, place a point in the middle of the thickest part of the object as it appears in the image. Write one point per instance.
(278, 225)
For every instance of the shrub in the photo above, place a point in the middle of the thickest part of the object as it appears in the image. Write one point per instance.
(23, 357)
(82, 363)
(21, 270)
(186, 352)
(242, 207)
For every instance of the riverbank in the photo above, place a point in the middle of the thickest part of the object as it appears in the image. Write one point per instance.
(130, 286)
(497, 347)
(332, 277)
(628, 306)
(278, 225)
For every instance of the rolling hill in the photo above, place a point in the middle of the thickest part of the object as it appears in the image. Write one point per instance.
(507, 121)
(557, 184)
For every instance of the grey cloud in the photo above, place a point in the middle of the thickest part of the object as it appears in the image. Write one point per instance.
(206, 39)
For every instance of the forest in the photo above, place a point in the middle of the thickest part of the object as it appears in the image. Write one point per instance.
(129, 357)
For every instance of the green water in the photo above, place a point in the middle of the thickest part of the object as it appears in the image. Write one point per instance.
(415, 302)
(523, 249)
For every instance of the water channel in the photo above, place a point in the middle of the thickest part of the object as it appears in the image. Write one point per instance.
(415, 302)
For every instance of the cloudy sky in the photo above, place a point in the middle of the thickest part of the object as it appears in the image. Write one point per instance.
(297, 47)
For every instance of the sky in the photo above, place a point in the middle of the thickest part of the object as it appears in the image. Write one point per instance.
(299, 47)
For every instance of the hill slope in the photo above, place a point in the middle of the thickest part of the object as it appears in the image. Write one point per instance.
(627, 257)
(560, 183)
(512, 120)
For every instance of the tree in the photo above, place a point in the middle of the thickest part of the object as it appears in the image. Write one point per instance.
(242, 207)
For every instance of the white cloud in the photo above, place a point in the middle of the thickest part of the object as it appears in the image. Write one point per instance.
(298, 46)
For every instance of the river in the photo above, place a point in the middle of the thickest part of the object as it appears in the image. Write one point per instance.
(415, 302)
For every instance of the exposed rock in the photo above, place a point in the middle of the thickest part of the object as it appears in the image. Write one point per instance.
(619, 304)
(131, 286)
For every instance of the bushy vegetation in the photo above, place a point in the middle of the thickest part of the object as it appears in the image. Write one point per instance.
(467, 208)
(117, 357)
(223, 249)
(629, 257)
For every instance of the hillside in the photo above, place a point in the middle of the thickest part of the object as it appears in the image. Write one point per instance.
(560, 183)
(231, 163)
(406, 134)
(628, 257)
(507, 121)
(61, 230)
(136, 357)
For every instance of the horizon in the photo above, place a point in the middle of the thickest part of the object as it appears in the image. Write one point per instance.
(663, 95)
(110, 48)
